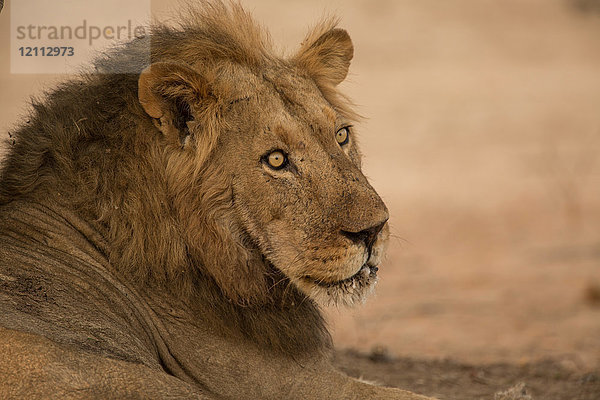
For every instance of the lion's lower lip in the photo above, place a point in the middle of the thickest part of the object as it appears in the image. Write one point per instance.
(364, 272)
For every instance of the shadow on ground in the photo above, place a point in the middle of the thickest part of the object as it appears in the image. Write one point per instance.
(446, 379)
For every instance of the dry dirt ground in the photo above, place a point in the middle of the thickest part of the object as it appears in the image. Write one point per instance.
(450, 380)
(482, 133)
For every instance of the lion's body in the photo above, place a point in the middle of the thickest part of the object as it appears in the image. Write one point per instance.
(149, 249)
(60, 296)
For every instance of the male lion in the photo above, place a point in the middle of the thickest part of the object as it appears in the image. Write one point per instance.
(167, 234)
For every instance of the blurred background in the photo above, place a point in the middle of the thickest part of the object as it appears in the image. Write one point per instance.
(482, 134)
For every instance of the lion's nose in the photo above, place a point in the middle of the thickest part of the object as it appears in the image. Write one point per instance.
(366, 236)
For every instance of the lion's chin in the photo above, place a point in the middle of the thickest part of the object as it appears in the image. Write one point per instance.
(348, 292)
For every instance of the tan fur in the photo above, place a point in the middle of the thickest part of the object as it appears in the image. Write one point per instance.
(165, 174)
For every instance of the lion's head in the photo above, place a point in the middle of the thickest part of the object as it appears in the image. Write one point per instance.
(219, 160)
(276, 142)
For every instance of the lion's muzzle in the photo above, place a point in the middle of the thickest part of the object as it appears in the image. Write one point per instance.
(366, 236)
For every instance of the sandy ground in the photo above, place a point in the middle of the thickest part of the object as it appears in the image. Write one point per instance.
(447, 379)
(482, 133)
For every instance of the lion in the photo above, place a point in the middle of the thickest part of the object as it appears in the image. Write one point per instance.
(170, 233)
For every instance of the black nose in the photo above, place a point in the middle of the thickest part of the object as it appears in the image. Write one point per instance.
(366, 236)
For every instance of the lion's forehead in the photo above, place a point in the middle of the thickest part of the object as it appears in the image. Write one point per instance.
(280, 104)
(298, 93)
(277, 90)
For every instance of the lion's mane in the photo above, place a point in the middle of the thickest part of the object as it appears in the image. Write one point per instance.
(89, 145)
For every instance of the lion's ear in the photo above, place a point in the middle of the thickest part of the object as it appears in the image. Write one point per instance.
(171, 93)
(326, 56)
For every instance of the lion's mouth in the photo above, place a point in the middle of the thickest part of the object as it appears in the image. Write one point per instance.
(348, 291)
(365, 274)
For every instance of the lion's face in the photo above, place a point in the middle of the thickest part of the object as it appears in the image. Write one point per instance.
(291, 190)
(298, 191)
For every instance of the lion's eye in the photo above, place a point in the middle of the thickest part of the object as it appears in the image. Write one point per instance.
(276, 159)
(342, 136)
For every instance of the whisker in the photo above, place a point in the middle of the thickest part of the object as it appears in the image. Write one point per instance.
(401, 239)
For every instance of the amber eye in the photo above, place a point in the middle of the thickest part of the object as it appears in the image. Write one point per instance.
(276, 159)
(342, 136)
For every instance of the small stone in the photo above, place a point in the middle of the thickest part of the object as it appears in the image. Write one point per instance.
(592, 294)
